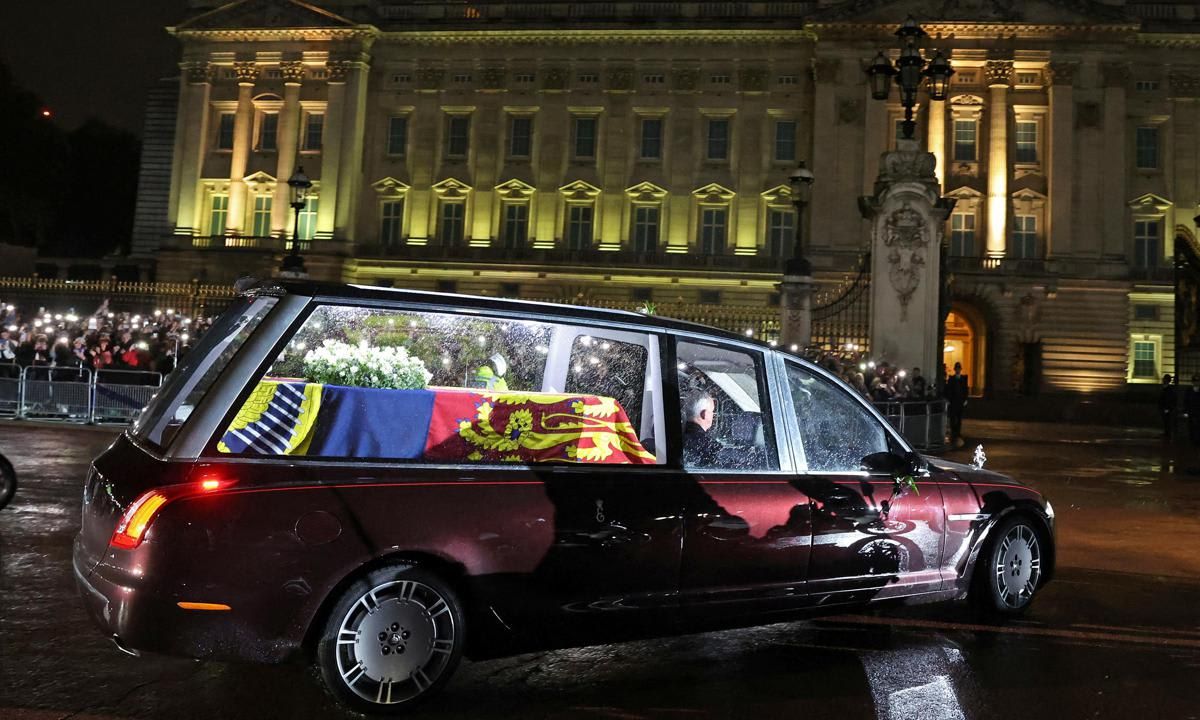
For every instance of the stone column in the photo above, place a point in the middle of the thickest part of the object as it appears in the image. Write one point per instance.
(908, 220)
(937, 138)
(191, 133)
(289, 137)
(331, 148)
(795, 305)
(1062, 157)
(1115, 172)
(243, 126)
(999, 77)
(354, 119)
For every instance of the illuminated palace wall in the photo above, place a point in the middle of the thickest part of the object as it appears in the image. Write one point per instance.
(640, 151)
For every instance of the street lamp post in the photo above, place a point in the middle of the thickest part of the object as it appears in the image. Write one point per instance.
(801, 181)
(909, 72)
(299, 184)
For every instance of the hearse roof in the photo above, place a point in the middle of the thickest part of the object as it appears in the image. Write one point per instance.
(341, 290)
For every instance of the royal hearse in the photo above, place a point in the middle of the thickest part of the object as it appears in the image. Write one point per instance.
(382, 481)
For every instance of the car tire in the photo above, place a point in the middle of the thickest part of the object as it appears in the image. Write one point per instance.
(393, 639)
(8, 481)
(1010, 568)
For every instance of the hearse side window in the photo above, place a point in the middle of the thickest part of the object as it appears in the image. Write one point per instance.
(199, 369)
(836, 431)
(438, 387)
(726, 415)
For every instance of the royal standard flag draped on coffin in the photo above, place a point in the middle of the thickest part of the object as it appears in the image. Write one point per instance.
(436, 425)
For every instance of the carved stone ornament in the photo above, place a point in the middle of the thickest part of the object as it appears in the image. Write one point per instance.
(1089, 115)
(1063, 73)
(825, 70)
(292, 71)
(998, 72)
(966, 99)
(904, 236)
(245, 72)
(338, 70)
(686, 79)
(199, 72)
(554, 78)
(908, 166)
(620, 78)
(849, 111)
(492, 78)
(753, 79)
(1185, 85)
(1115, 74)
(430, 77)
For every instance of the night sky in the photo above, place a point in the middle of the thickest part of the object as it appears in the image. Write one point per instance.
(90, 57)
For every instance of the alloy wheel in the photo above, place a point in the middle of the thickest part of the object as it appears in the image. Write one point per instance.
(1018, 566)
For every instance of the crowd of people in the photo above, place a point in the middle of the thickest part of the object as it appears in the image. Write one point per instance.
(878, 381)
(64, 344)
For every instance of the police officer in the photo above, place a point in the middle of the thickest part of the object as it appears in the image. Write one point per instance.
(490, 375)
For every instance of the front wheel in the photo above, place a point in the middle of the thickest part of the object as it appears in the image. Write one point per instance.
(1010, 570)
(392, 640)
(8, 481)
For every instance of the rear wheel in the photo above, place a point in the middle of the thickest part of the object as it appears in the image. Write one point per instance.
(393, 639)
(8, 481)
(1009, 571)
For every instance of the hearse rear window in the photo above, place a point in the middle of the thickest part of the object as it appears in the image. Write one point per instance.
(398, 385)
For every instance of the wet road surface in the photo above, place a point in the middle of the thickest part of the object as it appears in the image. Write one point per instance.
(1116, 635)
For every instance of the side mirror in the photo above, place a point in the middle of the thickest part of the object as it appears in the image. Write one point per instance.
(894, 464)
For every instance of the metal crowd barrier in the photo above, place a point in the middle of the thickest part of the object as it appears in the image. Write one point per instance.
(75, 394)
(119, 395)
(921, 422)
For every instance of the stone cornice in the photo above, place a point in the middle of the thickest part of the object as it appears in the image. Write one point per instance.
(365, 33)
(596, 37)
(939, 31)
(1169, 40)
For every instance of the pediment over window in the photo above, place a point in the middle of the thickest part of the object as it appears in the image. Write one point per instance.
(969, 199)
(579, 190)
(714, 193)
(778, 195)
(390, 186)
(450, 189)
(646, 192)
(1150, 204)
(265, 15)
(1028, 200)
(515, 190)
(259, 182)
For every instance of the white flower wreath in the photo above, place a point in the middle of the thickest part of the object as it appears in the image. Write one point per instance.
(339, 363)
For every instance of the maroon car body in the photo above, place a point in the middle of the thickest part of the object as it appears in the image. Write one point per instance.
(247, 556)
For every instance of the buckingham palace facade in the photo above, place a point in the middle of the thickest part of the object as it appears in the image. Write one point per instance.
(638, 152)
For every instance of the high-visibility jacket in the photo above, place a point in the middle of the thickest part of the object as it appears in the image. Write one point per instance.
(487, 379)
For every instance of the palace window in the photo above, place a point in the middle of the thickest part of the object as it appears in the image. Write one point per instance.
(1027, 141)
(1028, 78)
(785, 141)
(584, 132)
(588, 78)
(718, 139)
(515, 230)
(308, 219)
(651, 140)
(314, 128)
(397, 137)
(579, 227)
(268, 130)
(225, 125)
(1146, 85)
(714, 225)
(1145, 359)
(1147, 148)
(461, 77)
(262, 216)
(458, 136)
(962, 235)
(391, 222)
(524, 78)
(1024, 237)
(964, 140)
(781, 231)
(520, 136)
(217, 214)
(1146, 235)
(452, 223)
(719, 79)
(788, 80)
(1146, 313)
(645, 228)
(654, 79)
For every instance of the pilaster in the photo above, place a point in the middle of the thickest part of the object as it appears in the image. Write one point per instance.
(243, 127)
(287, 140)
(937, 139)
(1062, 157)
(191, 134)
(999, 78)
(1115, 175)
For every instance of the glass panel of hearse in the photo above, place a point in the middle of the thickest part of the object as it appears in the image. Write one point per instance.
(421, 386)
